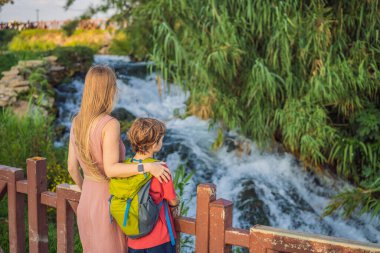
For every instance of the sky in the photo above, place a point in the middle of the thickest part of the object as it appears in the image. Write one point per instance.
(24, 10)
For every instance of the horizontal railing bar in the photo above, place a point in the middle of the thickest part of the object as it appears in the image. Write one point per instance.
(237, 237)
(49, 199)
(185, 225)
(71, 192)
(22, 186)
(316, 238)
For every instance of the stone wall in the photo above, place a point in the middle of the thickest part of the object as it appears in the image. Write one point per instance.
(15, 83)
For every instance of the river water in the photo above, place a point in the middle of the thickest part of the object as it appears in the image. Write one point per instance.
(267, 188)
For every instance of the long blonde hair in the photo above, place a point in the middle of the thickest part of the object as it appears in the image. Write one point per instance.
(98, 97)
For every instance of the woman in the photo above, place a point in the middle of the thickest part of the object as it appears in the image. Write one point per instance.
(96, 148)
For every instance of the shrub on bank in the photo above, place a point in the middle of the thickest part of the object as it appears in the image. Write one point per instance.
(29, 136)
(5, 37)
(43, 40)
(75, 59)
(37, 39)
(120, 44)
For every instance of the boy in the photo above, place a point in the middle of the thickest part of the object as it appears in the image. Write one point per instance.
(145, 136)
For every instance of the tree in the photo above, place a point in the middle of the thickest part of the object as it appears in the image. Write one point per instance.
(304, 73)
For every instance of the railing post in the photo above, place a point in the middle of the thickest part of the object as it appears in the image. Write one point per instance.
(37, 183)
(16, 211)
(220, 219)
(206, 193)
(65, 222)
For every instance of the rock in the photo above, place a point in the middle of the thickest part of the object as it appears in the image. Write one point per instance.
(8, 78)
(51, 59)
(122, 114)
(47, 102)
(20, 108)
(12, 72)
(56, 74)
(19, 83)
(21, 89)
(60, 130)
(31, 63)
(5, 101)
(56, 68)
(253, 210)
(7, 97)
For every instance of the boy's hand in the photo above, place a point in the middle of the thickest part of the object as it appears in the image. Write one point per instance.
(175, 211)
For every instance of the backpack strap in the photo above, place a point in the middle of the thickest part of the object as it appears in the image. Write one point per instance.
(126, 212)
(168, 223)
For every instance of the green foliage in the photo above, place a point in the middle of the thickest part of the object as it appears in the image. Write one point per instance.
(219, 140)
(35, 137)
(365, 199)
(134, 40)
(44, 40)
(7, 60)
(69, 27)
(30, 40)
(305, 73)
(120, 44)
(75, 59)
(5, 37)
(180, 181)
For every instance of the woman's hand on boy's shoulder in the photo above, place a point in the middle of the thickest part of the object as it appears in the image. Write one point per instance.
(159, 171)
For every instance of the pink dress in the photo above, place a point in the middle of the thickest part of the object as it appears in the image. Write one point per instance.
(96, 232)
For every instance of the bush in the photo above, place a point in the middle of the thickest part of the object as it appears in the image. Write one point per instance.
(44, 40)
(7, 60)
(75, 59)
(5, 37)
(120, 44)
(70, 27)
(29, 136)
(93, 39)
(31, 40)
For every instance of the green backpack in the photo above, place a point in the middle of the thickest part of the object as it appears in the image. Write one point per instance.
(131, 205)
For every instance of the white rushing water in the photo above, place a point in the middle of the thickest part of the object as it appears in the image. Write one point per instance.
(266, 188)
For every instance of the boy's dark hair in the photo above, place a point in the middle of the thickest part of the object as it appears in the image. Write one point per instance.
(144, 133)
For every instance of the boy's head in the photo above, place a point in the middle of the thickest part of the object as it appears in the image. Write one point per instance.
(146, 134)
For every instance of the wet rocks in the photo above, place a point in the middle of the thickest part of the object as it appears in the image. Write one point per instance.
(121, 113)
(125, 118)
(253, 210)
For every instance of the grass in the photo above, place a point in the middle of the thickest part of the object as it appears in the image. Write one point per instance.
(43, 40)
(35, 137)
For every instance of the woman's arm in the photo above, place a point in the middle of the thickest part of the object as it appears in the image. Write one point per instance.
(73, 166)
(112, 166)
